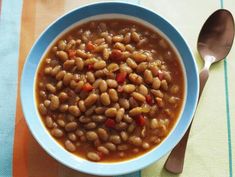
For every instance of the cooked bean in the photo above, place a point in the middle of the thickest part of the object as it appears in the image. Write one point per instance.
(143, 90)
(139, 57)
(67, 78)
(164, 85)
(100, 110)
(71, 126)
(90, 77)
(100, 48)
(121, 126)
(160, 102)
(154, 123)
(81, 54)
(136, 150)
(100, 65)
(157, 93)
(70, 117)
(124, 103)
(60, 75)
(127, 118)
(90, 100)
(120, 114)
(56, 132)
(90, 125)
(103, 150)
(106, 54)
(90, 111)
(115, 139)
(43, 94)
(111, 112)
(103, 135)
(99, 41)
(130, 48)
(148, 77)
(79, 63)
(63, 107)
(119, 46)
(82, 106)
(74, 110)
(68, 64)
(124, 135)
(55, 103)
(42, 109)
(103, 86)
(167, 76)
(142, 67)
(104, 98)
(84, 119)
(127, 38)
(138, 96)
(79, 133)
(112, 67)
(113, 95)
(111, 83)
(63, 56)
(174, 89)
(145, 145)
(98, 118)
(125, 68)
(156, 83)
(110, 146)
(135, 140)
(135, 79)
(62, 44)
(135, 111)
(72, 137)
(131, 127)
(118, 38)
(135, 36)
(122, 147)
(70, 146)
(93, 156)
(47, 103)
(63, 96)
(91, 135)
(48, 70)
(49, 122)
(153, 110)
(55, 70)
(173, 100)
(129, 88)
(131, 63)
(133, 102)
(59, 85)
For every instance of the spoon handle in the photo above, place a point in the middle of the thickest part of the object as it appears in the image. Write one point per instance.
(175, 161)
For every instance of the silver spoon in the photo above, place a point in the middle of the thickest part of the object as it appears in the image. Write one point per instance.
(214, 43)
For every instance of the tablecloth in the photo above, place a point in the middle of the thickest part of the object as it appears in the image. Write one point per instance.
(210, 151)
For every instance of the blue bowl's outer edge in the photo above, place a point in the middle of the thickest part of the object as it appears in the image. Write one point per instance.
(101, 168)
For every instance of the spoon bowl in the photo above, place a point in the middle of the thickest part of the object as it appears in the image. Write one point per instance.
(216, 36)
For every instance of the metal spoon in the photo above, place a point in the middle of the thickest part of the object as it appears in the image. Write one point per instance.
(214, 43)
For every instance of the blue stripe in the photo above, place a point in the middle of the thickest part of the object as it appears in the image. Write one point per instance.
(227, 111)
(9, 40)
(228, 119)
(137, 173)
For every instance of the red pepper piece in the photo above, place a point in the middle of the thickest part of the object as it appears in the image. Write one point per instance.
(87, 87)
(141, 121)
(149, 99)
(160, 74)
(90, 67)
(110, 123)
(116, 55)
(90, 46)
(72, 53)
(121, 77)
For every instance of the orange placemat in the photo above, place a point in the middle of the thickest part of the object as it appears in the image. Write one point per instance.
(29, 159)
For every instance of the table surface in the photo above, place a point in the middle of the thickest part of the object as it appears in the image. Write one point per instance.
(211, 147)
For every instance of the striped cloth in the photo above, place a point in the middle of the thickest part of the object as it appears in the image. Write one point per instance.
(210, 151)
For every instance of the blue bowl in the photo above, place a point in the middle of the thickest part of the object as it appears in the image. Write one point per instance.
(102, 11)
